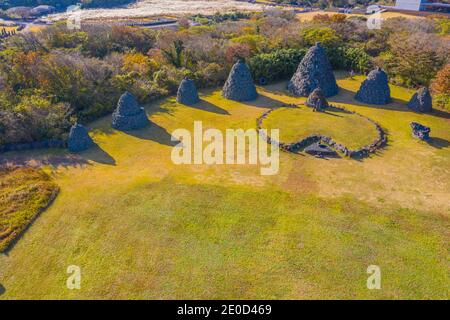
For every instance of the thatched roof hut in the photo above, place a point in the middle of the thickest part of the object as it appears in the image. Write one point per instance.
(239, 85)
(375, 89)
(314, 71)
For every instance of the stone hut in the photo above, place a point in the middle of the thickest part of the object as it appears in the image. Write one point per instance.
(79, 139)
(420, 131)
(421, 101)
(317, 100)
(314, 71)
(129, 115)
(375, 89)
(239, 85)
(187, 92)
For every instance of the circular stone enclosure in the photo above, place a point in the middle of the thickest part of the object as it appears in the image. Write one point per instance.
(295, 124)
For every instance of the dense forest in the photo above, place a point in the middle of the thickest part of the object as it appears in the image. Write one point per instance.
(6, 4)
(52, 78)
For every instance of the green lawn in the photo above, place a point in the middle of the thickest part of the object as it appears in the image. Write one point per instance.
(141, 227)
(295, 124)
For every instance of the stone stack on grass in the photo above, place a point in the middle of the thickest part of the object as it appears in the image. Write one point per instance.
(375, 89)
(239, 85)
(420, 131)
(314, 71)
(317, 100)
(421, 101)
(129, 115)
(79, 139)
(187, 92)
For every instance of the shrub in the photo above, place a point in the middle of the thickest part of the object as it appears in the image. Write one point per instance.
(326, 36)
(355, 59)
(440, 86)
(25, 192)
(279, 64)
(256, 43)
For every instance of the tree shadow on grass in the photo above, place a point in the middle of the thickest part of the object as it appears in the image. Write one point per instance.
(331, 114)
(56, 158)
(348, 97)
(438, 143)
(2, 289)
(264, 102)
(97, 154)
(155, 133)
(207, 106)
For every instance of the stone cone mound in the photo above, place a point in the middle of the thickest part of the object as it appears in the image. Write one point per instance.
(79, 139)
(375, 89)
(314, 71)
(129, 115)
(317, 100)
(421, 101)
(187, 92)
(239, 85)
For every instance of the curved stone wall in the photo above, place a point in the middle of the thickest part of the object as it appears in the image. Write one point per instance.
(294, 147)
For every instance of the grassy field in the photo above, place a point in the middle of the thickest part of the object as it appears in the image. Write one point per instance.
(295, 124)
(141, 227)
(24, 193)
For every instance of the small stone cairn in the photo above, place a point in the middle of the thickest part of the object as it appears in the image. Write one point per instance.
(129, 115)
(187, 92)
(421, 101)
(420, 131)
(79, 139)
(317, 100)
(375, 89)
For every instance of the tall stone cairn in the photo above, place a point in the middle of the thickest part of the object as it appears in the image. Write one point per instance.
(317, 100)
(187, 92)
(314, 71)
(375, 89)
(129, 115)
(421, 101)
(79, 139)
(239, 85)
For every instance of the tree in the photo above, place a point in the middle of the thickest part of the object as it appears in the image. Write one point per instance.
(279, 64)
(174, 55)
(325, 35)
(441, 87)
(416, 58)
(441, 83)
